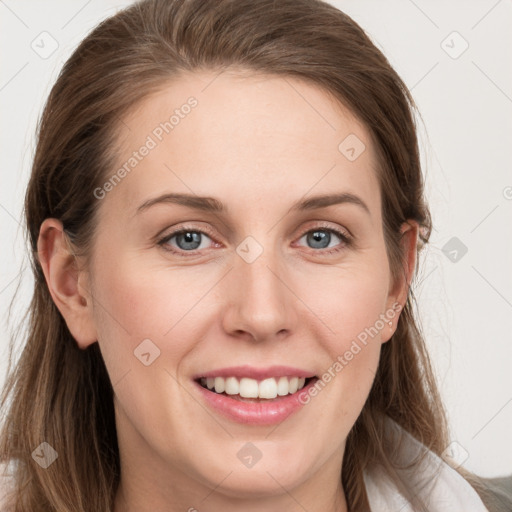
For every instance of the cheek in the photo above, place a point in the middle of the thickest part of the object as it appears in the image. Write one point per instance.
(353, 305)
(140, 296)
(134, 304)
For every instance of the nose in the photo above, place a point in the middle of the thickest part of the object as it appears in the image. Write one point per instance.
(261, 303)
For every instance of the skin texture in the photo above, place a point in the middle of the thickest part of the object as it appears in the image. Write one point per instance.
(259, 144)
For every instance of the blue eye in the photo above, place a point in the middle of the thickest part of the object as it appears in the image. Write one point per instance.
(188, 240)
(321, 238)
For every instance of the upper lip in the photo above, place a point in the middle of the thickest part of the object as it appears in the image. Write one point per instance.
(256, 373)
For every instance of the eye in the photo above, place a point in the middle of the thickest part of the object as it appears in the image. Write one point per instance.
(190, 240)
(185, 240)
(321, 238)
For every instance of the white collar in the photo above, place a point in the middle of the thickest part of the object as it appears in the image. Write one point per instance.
(441, 488)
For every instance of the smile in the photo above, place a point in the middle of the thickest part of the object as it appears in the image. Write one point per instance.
(255, 396)
(251, 388)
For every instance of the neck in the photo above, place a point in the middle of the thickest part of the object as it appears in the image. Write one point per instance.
(214, 500)
(149, 482)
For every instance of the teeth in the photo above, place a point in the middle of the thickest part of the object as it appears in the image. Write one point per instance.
(268, 388)
(251, 388)
(232, 386)
(293, 385)
(219, 384)
(282, 386)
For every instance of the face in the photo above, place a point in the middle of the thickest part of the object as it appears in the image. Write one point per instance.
(259, 289)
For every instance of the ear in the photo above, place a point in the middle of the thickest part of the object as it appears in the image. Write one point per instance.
(399, 288)
(65, 282)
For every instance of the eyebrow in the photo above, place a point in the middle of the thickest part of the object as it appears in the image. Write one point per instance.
(210, 204)
(323, 201)
(207, 204)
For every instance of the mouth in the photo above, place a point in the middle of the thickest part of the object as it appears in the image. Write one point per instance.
(255, 396)
(247, 389)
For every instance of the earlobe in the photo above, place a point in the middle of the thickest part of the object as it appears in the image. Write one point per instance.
(400, 290)
(62, 276)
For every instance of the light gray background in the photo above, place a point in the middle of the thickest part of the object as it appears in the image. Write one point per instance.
(466, 103)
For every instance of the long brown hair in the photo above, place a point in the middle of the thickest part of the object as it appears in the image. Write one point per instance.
(62, 395)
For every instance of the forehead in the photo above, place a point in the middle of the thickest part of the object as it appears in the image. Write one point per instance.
(237, 136)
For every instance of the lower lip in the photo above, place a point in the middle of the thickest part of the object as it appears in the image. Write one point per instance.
(266, 412)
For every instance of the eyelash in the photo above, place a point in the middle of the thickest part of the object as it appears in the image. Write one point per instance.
(344, 237)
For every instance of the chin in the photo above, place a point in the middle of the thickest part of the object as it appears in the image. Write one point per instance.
(257, 479)
(258, 483)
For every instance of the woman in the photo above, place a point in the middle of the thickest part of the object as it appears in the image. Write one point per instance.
(225, 212)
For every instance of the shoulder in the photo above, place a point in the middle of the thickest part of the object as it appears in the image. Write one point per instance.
(417, 477)
(496, 493)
